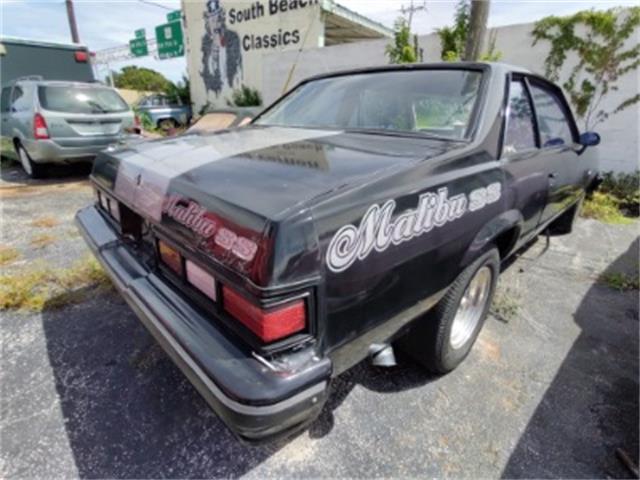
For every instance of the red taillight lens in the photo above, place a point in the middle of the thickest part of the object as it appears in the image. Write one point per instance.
(170, 257)
(269, 325)
(40, 130)
(81, 57)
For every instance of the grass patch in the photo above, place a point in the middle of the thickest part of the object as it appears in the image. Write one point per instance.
(8, 254)
(41, 241)
(604, 207)
(44, 287)
(506, 304)
(620, 281)
(45, 222)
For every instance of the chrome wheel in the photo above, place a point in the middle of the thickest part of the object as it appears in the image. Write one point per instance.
(25, 161)
(471, 307)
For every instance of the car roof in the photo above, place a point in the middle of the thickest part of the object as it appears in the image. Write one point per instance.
(496, 67)
(56, 83)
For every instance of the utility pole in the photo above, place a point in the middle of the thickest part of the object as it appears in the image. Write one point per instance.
(75, 38)
(477, 29)
(411, 9)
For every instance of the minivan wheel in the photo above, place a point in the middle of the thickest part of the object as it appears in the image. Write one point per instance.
(443, 338)
(32, 169)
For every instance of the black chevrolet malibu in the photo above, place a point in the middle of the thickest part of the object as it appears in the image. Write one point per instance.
(363, 211)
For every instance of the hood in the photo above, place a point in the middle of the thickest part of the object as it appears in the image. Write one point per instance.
(249, 179)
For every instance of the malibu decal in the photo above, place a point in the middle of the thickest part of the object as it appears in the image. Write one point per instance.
(195, 218)
(378, 231)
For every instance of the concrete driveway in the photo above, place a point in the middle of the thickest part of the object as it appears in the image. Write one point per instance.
(550, 389)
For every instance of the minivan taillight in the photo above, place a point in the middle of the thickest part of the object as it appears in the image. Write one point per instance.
(40, 130)
(273, 324)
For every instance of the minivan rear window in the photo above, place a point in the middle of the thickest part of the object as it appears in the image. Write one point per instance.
(73, 99)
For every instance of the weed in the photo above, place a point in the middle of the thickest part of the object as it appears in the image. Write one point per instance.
(45, 222)
(44, 287)
(620, 281)
(604, 207)
(41, 241)
(506, 304)
(8, 254)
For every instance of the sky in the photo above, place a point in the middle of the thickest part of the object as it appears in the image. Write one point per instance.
(103, 24)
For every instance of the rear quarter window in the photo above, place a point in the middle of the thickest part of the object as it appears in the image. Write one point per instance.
(81, 100)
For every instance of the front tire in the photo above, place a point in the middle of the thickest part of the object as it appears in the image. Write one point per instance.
(443, 338)
(32, 169)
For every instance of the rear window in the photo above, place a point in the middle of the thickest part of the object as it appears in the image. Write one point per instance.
(81, 100)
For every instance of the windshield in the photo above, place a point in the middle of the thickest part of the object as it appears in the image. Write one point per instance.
(432, 102)
(74, 99)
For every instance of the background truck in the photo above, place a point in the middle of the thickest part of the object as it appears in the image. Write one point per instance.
(21, 57)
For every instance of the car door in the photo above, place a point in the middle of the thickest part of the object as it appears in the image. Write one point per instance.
(525, 170)
(558, 147)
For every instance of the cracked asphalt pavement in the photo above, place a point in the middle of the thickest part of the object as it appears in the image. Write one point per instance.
(549, 390)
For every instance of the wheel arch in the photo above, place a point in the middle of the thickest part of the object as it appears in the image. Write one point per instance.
(502, 231)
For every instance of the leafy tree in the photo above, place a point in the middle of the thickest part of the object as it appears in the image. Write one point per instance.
(245, 97)
(141, 79)
(401, 50)
(598, 40)
(453, 39)
(180, 90)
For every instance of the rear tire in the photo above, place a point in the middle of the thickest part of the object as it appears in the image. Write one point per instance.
(443, 338)
(32, 169)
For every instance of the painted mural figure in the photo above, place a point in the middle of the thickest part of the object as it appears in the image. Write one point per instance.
(221, 55)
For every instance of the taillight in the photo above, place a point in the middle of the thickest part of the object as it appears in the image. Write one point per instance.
(170, 257)
(269, 325)
(80, 56)
(40, 130)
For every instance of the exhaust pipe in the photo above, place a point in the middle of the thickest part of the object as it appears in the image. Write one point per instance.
(381, 355)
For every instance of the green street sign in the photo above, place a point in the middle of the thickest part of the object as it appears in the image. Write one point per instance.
(174, 16)
(170, 40)
(140, 33)
(138, 47)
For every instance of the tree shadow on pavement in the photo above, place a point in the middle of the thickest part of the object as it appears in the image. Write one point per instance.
(591, 407)
(130, 413)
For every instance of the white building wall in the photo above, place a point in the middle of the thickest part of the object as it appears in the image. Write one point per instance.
(619, 150)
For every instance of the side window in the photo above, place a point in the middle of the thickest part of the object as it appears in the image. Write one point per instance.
(18, 99)
(519, 134)
(552, 120)
(5, 99)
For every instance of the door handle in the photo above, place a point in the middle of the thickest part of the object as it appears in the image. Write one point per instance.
(553, 174)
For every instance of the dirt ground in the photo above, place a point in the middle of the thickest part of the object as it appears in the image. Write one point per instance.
(549, 390)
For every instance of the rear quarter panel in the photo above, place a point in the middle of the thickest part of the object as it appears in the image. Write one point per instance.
(394, 277)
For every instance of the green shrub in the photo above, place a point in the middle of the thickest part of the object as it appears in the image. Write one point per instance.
(625, 187)
(245, 97)
(604, 207)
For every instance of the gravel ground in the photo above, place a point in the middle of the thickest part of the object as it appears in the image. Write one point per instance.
(549, 391)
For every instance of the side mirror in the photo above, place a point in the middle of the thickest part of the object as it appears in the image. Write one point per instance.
(589, 139)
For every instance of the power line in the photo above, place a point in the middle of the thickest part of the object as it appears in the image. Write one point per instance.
(156, 4)
(411, 9)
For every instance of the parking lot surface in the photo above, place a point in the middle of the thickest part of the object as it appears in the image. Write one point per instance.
(549, 390)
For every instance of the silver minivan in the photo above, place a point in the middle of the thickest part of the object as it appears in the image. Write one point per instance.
(45, 121)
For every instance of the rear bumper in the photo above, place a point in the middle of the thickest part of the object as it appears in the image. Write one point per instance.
(73, 150)
(257, 402)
